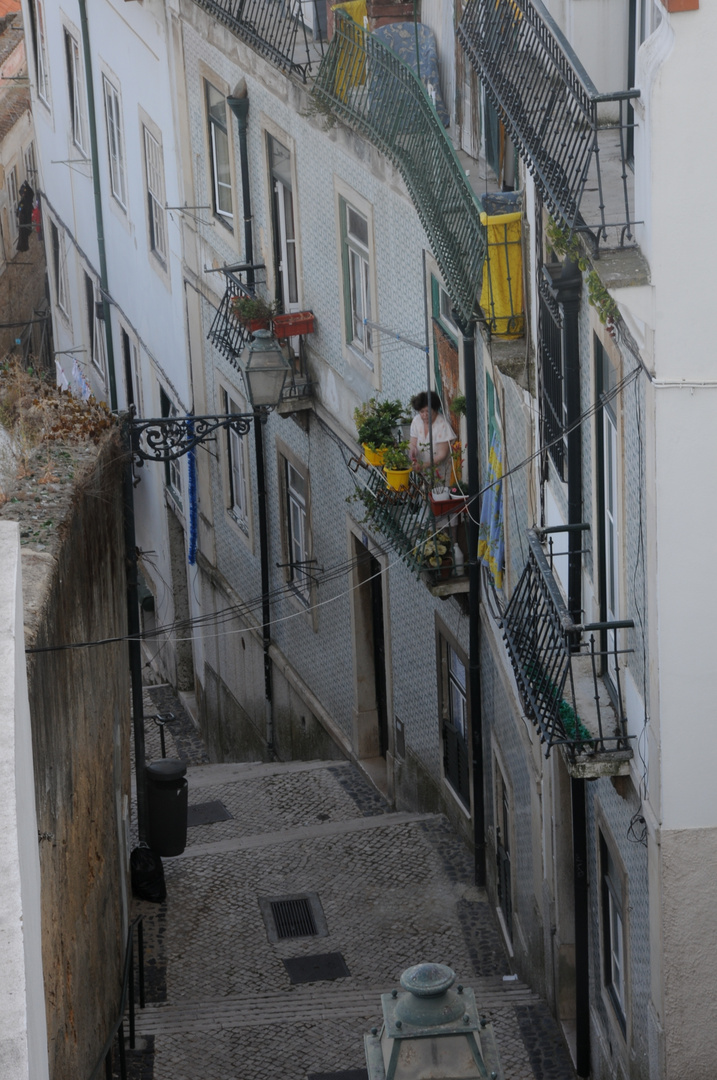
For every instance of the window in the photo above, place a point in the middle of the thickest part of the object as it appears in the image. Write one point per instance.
(454, 720)
(284, 227)
(609, 536)
(155, 195)
(172, 472)
(78, 101)
(12, 198)
(236, 457)
(37, 19)
(95, 325)
(220, 160)
(30, 165)
(59, 266)
(131, 371)
(115, 142)
(356, 269)
(613, 939)
(297, 534)
(502, 843)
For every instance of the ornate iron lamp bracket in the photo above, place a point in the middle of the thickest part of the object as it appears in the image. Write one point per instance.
(167, 438)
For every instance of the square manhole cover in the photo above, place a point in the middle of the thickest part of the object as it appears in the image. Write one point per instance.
(295, 916)
(206, 813)
(323, 967)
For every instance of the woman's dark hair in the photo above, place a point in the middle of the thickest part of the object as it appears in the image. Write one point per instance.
(421, 400)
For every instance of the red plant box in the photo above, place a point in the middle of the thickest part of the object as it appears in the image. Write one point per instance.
(296, 322)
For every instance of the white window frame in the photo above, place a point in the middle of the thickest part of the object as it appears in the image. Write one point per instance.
(78, 96)
(13, 196)
(115, 142)
(219, 138)
(613, 900)
(43, 67)
(357, 282)
(59, 266)
(237, 468)
(363, 354)
(298, 536)
(154, 179)
(453, 706)
(95, 326)
(30, 161)
(172, 469)
(284, 221)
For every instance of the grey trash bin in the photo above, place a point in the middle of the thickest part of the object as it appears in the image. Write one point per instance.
(167, 806)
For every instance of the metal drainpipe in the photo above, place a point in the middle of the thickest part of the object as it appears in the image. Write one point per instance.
(259, 421)
(92, 119)
(239, 105)
(474, 635)
(582, 955)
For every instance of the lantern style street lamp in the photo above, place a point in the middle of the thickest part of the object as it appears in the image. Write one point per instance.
(168, 438)
(431, 1032)
(265, 369)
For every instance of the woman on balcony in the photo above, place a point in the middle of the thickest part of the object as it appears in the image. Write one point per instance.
(425, 431)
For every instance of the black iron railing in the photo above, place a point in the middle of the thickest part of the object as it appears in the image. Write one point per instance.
(287, 32)
(551, 109)
(426, 539)
(229, 336)
(127, 1004)
(545, 645)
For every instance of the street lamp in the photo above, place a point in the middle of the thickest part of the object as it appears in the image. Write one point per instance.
(168, 438)
(430, 1030)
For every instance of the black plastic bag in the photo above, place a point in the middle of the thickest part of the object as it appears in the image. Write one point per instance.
(147, 875)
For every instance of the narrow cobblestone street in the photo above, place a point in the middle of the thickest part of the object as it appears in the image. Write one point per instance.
(394, 888)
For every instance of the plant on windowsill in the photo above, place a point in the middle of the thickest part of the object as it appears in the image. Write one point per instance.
(397, 466)
(254, 312)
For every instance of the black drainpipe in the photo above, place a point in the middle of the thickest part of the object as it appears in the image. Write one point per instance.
(104, 285)
(474, 638)
(239, 105)
(582, 959)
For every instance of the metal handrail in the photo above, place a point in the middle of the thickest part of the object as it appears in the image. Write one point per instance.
(127, 991)
(274, 28)
(549, 105)
(542, 641)
(373, 91)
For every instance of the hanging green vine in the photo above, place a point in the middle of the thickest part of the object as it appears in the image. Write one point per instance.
(566, 245)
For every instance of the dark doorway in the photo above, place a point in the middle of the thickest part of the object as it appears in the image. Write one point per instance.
(372, 704)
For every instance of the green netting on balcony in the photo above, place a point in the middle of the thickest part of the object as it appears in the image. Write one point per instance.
(374, 92)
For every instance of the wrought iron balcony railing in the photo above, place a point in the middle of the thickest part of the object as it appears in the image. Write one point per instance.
(571, 136)
(229, 336)
(367, 86)
(550, 662)
(287, 32)
(426, 543)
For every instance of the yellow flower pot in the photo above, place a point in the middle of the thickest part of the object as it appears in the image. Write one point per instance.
(397, 478)
(374, 457)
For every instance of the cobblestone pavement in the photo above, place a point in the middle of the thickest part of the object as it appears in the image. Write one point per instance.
(394, 888)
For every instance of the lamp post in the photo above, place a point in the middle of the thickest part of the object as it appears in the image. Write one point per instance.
(431, 1030)
(166, 439)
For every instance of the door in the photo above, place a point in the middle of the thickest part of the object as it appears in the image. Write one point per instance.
(379, 653)
(608, 507)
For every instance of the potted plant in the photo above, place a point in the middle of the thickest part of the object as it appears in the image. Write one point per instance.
(294, 322)
(435, 552)
(254, 312)
(458, 405)
(397, 466)
(376, 427)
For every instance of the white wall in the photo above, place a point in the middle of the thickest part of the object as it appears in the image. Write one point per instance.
(23, 1032)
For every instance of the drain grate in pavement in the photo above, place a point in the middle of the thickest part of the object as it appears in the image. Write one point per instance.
(323, 967)
(351, 1074)
(296, 916)
(206, 813)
